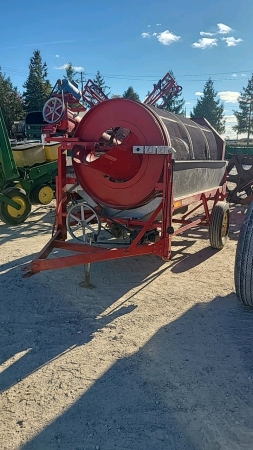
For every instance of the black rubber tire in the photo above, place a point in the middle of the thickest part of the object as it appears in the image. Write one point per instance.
(219, 225)
(8, 186)
(243, 274)
(5, 216)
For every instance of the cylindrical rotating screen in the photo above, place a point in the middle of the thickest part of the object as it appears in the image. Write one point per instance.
(117, 177)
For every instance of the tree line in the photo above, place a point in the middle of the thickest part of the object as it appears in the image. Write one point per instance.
(37, 89)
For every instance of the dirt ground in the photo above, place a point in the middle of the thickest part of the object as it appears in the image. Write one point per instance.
(158, 356)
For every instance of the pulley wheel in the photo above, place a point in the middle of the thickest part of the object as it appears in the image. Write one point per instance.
(53, 110)
(83, 223)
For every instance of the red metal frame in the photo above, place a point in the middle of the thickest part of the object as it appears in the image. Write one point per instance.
(168, 87)
(84, 254)
(92, 94)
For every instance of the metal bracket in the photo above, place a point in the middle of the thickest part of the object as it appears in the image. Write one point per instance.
(153, 149)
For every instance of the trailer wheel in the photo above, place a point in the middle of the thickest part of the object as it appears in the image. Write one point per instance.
(243, 274)
(13, 216)
(219, 225)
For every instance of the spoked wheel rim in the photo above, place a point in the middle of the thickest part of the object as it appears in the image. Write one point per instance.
(83, 223)
(53, 110)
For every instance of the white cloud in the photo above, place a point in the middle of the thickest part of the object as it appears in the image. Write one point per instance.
(78, 68)
(64, 67)
(148, 26)
(158, 24)
(205, 43)
(244, 75)
(234, 75)
(57, 56)
(231, 41)
(230, 119)
(167, 38)
(229, 96)
(204, 33)
(229, 132)
(223, 29)
(199, 93)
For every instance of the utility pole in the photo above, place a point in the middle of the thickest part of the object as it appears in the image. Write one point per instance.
(249, 101)
(82, 80)
(249, 124)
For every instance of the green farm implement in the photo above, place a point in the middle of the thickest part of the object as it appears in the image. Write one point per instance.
(26, 178)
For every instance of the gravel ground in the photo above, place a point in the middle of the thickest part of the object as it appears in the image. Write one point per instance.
(158, 356)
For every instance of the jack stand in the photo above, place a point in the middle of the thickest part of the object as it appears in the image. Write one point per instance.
(86, 283)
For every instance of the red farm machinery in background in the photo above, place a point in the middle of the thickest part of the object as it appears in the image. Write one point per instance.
(163, 92)
(63, 110)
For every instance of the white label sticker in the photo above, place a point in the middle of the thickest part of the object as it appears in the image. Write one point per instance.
(150, 149)
(138, 149)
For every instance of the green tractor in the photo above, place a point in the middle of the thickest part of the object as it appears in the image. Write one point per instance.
(26, 177)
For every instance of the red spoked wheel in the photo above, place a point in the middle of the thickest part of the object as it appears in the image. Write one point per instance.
(53, 110)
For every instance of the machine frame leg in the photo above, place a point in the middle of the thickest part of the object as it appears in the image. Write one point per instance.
(83, 254)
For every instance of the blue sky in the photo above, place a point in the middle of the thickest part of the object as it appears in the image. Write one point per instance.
(134, 43)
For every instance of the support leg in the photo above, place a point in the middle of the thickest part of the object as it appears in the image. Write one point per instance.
(86, 283)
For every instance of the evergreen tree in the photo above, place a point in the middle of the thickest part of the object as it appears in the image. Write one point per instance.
(209, 108)
(175, 104)
(70, 72)
(11, 102)
(131, 94)
(100, 82)
(37, 86)
(244, 115)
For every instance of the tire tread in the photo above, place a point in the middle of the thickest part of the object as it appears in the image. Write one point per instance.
(215, 227)
(243, 273)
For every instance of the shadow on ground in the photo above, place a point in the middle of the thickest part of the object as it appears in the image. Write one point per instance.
(46, 312)
(38, 314)
(189, 387)
(237, 216)
(39, 222)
